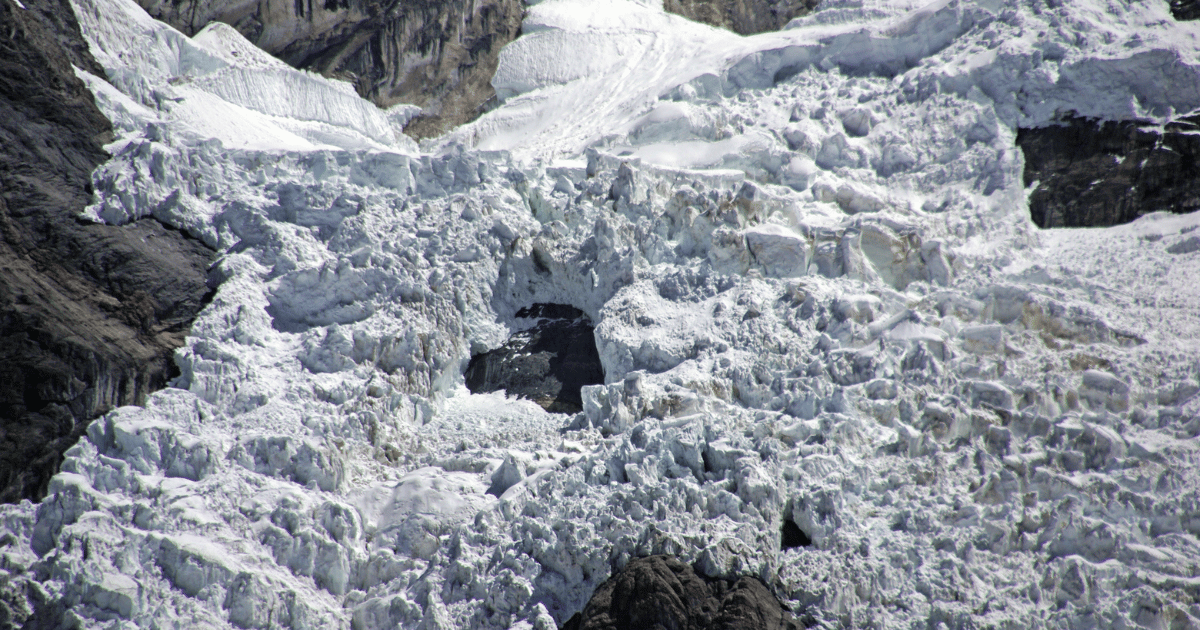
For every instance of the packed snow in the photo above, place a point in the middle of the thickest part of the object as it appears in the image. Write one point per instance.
(818, 297)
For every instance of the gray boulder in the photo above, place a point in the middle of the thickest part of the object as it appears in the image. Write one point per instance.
(662, 593)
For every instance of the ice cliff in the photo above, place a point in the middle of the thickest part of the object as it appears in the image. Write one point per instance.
(821, 308)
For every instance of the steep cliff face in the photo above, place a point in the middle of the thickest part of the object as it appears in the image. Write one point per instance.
(1093, 173)
(549, 361)
(742, 16)
(437, 54)
(89, 314)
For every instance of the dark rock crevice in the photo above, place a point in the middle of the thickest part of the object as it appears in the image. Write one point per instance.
(662, 592)
(548, 362)
(1095, 173)
(90, 315)
(1185, 10)
(792, 537)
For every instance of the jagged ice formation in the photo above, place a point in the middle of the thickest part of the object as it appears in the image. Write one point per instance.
(819, 301)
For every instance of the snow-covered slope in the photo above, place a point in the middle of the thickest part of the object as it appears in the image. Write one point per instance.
(818, 298)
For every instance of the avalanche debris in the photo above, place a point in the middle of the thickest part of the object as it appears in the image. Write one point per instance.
(837, 354)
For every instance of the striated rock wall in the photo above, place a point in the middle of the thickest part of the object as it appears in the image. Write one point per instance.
(1093, 173)
(437, 54)
(742, 16)
(89, 315)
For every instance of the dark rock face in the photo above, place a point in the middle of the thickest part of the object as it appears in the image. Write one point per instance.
(742, 16)
(547, 363)
(1184, 10)
(1093, 173)
(89, 315)
(662, 593)
(438, 54)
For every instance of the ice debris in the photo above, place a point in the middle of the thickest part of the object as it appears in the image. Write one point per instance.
(820, 305)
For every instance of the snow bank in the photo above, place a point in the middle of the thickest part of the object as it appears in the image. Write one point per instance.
(219, 86)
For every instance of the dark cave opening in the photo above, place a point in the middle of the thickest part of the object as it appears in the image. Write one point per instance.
(792, 537)
(549, 361)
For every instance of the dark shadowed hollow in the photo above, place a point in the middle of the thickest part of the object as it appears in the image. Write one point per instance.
(547, 363)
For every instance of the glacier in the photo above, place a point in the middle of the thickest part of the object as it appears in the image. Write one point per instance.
(818, 296)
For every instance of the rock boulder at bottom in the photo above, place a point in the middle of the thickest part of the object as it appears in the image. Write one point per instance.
(662, 593)
(548, 363)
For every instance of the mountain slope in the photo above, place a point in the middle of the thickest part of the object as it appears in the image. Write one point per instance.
(822, 311)
(437, 55)
(89, 315)
(434, 54)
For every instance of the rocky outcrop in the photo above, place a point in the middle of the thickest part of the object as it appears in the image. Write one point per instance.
(742, 16)
(1184, 10)
(1093, 173)
(662, 592)
(437, 54)
(549, 362)
(89, 314)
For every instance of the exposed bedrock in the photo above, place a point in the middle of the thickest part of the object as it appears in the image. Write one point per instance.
(437, 54)
(662, 592)
(548, 362)
(89, 315)
(742, 16)
(1093, 173)
(1184, 10)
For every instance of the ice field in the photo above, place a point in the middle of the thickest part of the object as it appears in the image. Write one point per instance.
(818, 297)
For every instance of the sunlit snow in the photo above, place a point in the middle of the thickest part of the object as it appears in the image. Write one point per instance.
(818, 297)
